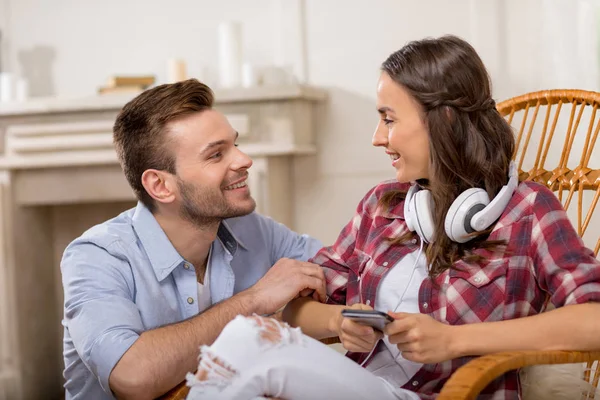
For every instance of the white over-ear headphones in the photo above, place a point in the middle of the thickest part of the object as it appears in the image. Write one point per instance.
(472, 211)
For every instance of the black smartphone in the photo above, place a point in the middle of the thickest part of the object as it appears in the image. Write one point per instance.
(373, 318)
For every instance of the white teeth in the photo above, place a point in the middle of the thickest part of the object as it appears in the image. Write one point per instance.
(394, 157)
(236, 186)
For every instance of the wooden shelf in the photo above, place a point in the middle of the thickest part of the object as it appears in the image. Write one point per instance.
(117, 101)
(59, 159)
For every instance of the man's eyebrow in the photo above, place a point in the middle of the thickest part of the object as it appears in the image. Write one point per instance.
(217, 143)
(212, 145)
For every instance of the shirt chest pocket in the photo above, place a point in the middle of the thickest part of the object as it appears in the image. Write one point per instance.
(476, 294)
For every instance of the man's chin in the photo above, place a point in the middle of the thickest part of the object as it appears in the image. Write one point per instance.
(239, 210)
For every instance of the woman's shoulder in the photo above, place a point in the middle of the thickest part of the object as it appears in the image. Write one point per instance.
(372, 199)
(533, 198)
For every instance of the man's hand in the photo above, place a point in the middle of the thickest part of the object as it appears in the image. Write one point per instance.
(421, 338)
(354, 336)
(286, 280)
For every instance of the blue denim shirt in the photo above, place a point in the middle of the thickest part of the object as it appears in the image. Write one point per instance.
(124, 277)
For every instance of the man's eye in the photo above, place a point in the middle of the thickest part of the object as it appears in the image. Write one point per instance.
(216, 155)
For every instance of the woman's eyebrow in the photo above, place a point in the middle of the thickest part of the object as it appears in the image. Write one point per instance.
(385, 110)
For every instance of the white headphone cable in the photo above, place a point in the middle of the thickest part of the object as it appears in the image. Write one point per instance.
(398, 305)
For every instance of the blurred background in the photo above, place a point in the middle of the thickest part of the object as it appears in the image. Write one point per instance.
(307, 66)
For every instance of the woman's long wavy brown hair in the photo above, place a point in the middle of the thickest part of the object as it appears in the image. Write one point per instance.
(470, 143)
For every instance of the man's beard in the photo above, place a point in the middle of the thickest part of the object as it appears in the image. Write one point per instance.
(205, 207)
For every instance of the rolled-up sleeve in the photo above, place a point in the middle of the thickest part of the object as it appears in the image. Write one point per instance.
(564, 266)
(100, 314)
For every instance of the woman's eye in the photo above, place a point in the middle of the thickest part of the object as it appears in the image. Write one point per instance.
(387, 121)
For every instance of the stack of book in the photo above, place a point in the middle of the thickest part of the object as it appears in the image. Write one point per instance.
(126, 84)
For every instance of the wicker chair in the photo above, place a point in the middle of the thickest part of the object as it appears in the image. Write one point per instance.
(571, 173)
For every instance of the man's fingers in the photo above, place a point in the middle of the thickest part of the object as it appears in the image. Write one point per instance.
(322, 292)
(313, 270)
(315, 297)
(314, 283)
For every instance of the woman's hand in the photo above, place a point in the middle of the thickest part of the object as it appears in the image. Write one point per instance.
(354, 336)
(421, 338)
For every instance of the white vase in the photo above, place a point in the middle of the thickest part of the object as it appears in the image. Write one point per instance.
(230, 54)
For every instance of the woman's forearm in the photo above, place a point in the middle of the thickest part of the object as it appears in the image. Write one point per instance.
(316, 319)
(574, 327)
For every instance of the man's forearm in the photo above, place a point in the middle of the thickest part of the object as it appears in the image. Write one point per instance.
(316, 319)
(161, 357)
(575, 327)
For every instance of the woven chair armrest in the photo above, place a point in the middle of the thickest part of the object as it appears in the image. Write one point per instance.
(179, 392)
(469, 380)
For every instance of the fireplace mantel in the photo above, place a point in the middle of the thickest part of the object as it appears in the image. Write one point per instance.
(59, 175)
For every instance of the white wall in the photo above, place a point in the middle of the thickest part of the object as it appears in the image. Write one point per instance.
(3, 31)
(76, 44)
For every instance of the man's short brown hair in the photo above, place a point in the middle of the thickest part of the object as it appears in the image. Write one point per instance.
(139, 131)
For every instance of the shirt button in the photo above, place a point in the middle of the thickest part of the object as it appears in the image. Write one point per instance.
(190, 300)
(415, 383)
(385, 264)
(368, 302)
(477, 279)
(414, 241)
(186, 266)
(425, 306)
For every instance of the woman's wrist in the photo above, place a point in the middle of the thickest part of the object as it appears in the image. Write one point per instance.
(335, 320)
(459, 340)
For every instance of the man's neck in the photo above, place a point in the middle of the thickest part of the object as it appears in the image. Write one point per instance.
(191, 241)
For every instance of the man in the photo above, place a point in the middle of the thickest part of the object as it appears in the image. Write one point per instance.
(145, 290)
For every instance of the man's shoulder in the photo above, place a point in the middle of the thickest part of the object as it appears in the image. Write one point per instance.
(255, 228)
(103, 252)
(118, 229)
(250, 223)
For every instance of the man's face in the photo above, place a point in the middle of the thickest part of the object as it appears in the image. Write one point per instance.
(211, 172)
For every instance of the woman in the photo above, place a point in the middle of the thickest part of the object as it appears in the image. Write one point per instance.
(460, 277)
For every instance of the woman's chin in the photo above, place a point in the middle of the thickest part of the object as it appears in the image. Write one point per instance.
(403, 178)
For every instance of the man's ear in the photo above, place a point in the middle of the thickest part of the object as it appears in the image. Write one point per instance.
(160, 185)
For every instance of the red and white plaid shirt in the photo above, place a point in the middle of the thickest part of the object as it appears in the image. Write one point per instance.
(544, 257)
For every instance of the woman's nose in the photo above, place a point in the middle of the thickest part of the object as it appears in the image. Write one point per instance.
(380, 136)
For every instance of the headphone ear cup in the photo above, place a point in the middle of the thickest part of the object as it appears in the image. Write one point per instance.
(409, 216)
(421, 207)
(458, 219)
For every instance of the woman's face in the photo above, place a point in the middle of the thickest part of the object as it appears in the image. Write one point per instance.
(401, 130)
